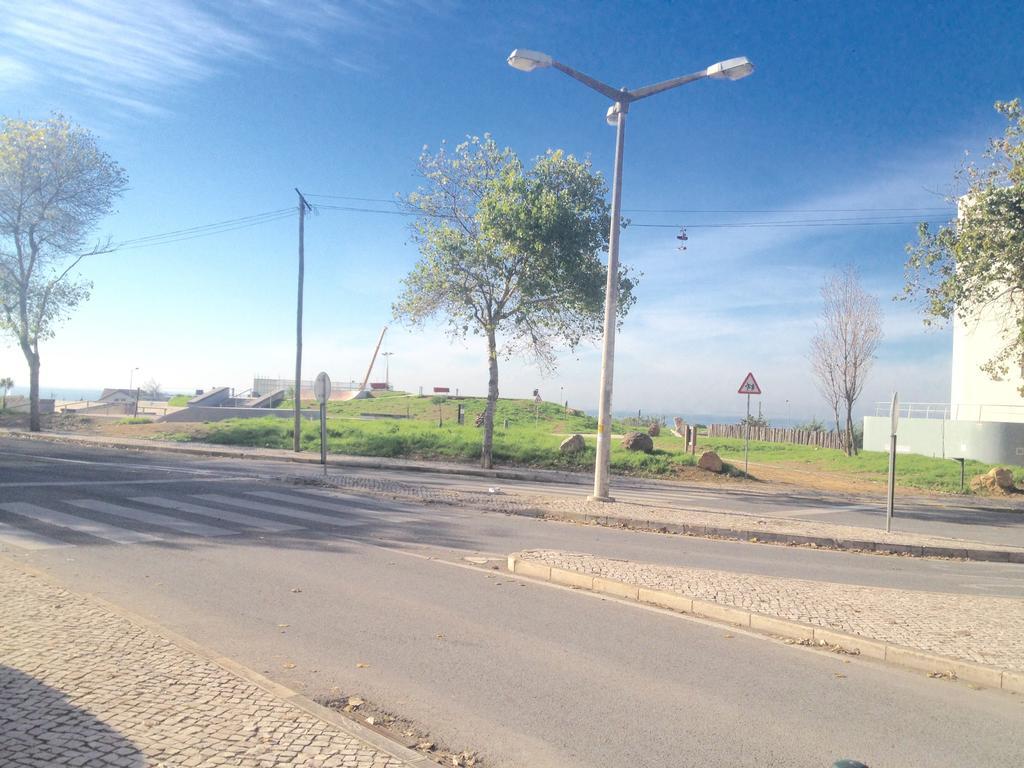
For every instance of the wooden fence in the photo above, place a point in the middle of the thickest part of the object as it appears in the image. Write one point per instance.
(779, 435)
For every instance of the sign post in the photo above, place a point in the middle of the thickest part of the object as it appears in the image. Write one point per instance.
(894, 415)
(322, 391)
(748, 387)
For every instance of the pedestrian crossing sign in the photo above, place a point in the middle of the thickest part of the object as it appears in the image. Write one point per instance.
(749, 386)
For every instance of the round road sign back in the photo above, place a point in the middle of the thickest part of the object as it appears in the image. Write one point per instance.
(322, 387)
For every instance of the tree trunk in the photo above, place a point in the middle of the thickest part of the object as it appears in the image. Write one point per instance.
(839, 429)
(33, 389)
(487, 454)
(851, 446)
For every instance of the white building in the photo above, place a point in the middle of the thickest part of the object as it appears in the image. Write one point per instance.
(974, 395)
(985, 418)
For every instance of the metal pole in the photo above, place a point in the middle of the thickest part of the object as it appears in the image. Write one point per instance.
(746, 440)
(892, 483)
(323, 436)
(611, 297)
(297, 443)
(894, 418)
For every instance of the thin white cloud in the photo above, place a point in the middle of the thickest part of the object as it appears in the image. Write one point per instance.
(14, 74)
(132, 54)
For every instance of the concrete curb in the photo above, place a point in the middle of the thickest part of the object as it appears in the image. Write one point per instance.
(768, 537)
(656, 526)
(371, 737)
(910, 658)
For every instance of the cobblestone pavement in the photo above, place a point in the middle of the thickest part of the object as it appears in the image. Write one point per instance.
(986, 630)
(647, 516)
(82, 686)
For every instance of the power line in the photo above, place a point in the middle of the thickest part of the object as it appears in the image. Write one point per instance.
(940, 209)
(944, 209)
(833, 222)
(786, 224)
(205, 230)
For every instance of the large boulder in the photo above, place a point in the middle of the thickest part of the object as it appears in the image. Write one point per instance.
(710, 461)
(654, 430)
(997, 481)
(638, 441)
(572, 444)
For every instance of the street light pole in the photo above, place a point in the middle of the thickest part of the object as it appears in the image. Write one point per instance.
(387, 369)
(527, 61)
(611, 300)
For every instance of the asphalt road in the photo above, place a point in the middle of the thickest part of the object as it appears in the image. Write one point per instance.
(526, 673)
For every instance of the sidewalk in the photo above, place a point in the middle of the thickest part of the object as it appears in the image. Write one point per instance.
(81, 685)
(979, 639)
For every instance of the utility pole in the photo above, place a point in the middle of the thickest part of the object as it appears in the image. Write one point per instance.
(387, 369)
(303, 207)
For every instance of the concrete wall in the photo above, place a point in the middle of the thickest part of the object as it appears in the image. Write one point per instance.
(215, 413)
(216, 396)
(992, 442)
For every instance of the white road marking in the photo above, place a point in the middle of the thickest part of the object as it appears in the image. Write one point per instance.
(301, 514)
(337, 505)
(27, 539)
(81, 524)
(58, 483)
(153, 518)
(249, 521)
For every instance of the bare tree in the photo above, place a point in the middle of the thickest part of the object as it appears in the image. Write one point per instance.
(151, 390)
(55, 186)
(843, 347)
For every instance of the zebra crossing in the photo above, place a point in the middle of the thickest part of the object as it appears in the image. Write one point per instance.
(152, 519)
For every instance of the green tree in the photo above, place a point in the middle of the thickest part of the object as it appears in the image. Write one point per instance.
(977, 261)
(55, 185)
(6, 384)
(510, 254)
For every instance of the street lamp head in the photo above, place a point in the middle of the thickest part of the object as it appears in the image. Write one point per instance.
(731, 69)
(527, 61)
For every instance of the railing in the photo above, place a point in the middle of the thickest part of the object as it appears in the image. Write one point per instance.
(123, 408)
(957, 412)
(915, 410)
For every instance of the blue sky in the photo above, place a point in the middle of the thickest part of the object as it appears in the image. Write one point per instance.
(219, 110)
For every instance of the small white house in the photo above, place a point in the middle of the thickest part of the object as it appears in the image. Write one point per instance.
(117, 396)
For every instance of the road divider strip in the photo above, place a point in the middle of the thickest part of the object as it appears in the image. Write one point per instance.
(890, 653)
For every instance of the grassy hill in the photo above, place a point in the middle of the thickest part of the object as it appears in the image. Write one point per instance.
(396, 424)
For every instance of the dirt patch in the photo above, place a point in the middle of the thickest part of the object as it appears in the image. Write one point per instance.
(782, 474)
(107, 426)
(400, 729)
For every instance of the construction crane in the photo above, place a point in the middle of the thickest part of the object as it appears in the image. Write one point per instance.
(366, 379)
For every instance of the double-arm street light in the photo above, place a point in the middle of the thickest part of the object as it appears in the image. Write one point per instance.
(527, 61)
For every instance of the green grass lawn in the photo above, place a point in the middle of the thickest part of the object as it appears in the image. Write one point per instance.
(136, 420)
(533, 434)
(179, 400)
(912, 471)
(531, 438)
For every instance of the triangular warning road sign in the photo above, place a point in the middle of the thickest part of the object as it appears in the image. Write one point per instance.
(749, 386)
